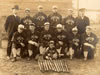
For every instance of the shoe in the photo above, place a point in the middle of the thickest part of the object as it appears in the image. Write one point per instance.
(8, 58)
(85, 59)
(14, 59)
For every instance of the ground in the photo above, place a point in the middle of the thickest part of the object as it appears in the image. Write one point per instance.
(77, 66)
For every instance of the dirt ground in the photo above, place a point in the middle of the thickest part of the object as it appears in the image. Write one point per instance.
(77, 66)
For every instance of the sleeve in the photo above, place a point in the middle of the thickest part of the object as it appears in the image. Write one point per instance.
(14, 39)
(6, 24)
(87, 22)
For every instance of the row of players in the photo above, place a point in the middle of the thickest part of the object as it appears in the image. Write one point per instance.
(53, 44)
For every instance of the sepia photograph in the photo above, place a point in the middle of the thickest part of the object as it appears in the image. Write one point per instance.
(49, 37)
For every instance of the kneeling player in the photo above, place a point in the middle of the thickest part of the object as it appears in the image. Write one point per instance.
(51, 52)
(89, 41)
(74, 43)
(18, 42)
(33, 42)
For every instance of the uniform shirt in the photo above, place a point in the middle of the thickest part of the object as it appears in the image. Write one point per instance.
(50, 52)
(74, 39)
(92, 39)
(69, 23)
(39, 19)
(82, 23)
(54, 19)
(11, 25)
(34, 36)
(26, 21)
(61, 36)
(46, 36)
(18, 38)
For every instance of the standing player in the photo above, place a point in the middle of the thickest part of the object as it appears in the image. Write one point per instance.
(69, 21)
(54, 18)
(33, 42)
(82, 21)
(27, 20)
(11, 25)
(61, 40)
(89, 41)
(39, 19)
(18, 42)
(46, 37)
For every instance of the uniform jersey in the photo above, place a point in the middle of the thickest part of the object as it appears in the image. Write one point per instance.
(39, 19)
(50, 52)
(74, 40)
(18, 38)
(82, 23)
(54, 19)
(26, 21)
(92, 39)
(69, 23)
(34, 36)
(46, 36)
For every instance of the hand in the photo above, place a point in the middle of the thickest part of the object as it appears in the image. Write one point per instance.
(22, 44)
(60, 42)
(31, 42)
(76, 44)
(36, 44)
(55, 56)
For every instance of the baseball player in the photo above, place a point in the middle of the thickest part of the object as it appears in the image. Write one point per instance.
(74, 49)
(69, 21)
(51, 52)
(46, 37)
(61, 40)
(18, 42)
(89, 41)
(33, 42)
(54, 18)
(39, 19)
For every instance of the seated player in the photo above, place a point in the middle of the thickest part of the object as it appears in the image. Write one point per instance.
(51, 52)
(61, 40)
(46, 36)
(89, 41)
(33, 42)
(18, 42)
(74, 43)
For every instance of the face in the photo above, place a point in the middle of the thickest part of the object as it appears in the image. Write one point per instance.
(70, 13)
(40, 9)
(27, 13)
(88, 31)
(81, 13)
(46, 27)
(51, 45)
(75, 32)
(14, 11)
(59, 29)
(20, 30)
(32, 28)
(54, 10)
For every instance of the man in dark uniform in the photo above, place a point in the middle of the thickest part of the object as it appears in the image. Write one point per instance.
(69, 21)
(11, 25)
(46, 37)
(61, 40)
(18, 42)
(33, 42)
(51, 52)
(54, 18)
(74, 41)
(39, 19)
(27, 20)
(82, 21)
(89, 41)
